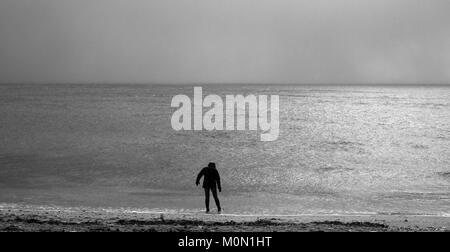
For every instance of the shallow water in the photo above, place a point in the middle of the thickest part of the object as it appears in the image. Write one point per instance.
(341, 149)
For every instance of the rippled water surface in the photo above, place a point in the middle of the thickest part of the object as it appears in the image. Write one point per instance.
(341, 149)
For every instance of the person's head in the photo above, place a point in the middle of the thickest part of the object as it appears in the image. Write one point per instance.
(212, 165)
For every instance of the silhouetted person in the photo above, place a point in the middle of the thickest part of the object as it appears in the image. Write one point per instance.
(211, 182)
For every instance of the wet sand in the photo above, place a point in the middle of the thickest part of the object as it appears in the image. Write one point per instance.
(18, 218)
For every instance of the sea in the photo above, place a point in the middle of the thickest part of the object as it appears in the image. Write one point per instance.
(341, 150)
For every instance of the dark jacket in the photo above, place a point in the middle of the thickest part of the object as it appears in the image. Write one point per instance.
(211, 178)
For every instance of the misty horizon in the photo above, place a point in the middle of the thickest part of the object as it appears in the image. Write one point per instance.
(237, 42)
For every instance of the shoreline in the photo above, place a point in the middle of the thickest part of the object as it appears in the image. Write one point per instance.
(25, 218)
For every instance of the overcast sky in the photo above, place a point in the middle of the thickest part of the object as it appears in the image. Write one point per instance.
(222, 41)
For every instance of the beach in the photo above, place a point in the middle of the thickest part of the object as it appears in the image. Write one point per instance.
(20, 218)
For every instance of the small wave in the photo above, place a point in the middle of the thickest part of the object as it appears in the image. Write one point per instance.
(182, 213)
(346, 146)
(420, 147)
(418, 196)
(432, 105)
(444, 174)
(413, 214)
(345, 143)
(442, 137)
(334, 168)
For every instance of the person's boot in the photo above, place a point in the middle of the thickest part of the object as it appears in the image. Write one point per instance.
(207, 210)
(219, 210)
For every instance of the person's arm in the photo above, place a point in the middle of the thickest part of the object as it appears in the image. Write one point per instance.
(199, 176)
(218, 181)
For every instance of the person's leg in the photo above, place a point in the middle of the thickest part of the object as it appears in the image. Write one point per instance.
(216, 198)
(207, 199)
